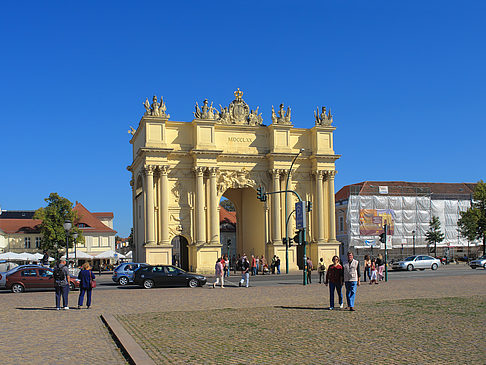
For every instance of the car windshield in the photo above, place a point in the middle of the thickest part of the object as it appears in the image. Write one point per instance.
(411, 258)
(116, 269)
(482, 257)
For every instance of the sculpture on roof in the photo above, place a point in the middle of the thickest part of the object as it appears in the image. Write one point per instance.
(323, 118)
(156, 109)
(206, 112)
(283, 117)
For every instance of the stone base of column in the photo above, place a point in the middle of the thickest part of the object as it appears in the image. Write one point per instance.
(325, 250)
(206, 257)
(158, 255)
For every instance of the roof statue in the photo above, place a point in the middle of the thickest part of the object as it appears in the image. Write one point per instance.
(237, 112)
(322, 118)
(283, 117)
(156, 109)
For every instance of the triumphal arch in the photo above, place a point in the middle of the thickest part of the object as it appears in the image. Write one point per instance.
(180, 171)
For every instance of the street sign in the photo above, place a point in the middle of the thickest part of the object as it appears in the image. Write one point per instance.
(300, 211)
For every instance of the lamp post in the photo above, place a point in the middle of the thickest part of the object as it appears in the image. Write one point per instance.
(286, 220)
(67, 227)
(75, 237)
(413, 242)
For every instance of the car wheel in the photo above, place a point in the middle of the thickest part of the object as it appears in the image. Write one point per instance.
(484, 266)
(123, 281)
(193, 283)
(148, 284)
(410, 267)
(18, 288)
(434, 267)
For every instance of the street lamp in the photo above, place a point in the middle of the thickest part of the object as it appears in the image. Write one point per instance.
(413, 241)
(75, 237)
(286, 212)
(67, 227)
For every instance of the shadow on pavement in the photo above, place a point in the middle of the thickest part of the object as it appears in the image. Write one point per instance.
(304, 308)
(37, 309)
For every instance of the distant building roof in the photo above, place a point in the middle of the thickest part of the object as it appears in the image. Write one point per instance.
(226, 216)
(20, 225)
(406, 188)
(90, 222)
(17, 214)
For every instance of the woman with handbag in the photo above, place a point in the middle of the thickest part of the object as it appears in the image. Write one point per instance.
(86, 284)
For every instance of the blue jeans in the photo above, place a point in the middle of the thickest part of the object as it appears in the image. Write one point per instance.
(245, 277)
(88, 296)
(64, 292)
(278, 269)
(351, 292)
(253, 270)
(338, 288)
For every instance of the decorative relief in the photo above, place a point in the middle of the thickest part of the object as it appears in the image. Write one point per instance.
(176, 191)
(234, 179)
(323, 118)
(282, 118)
(156, 109)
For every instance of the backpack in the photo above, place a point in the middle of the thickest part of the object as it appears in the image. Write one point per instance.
(58, 274)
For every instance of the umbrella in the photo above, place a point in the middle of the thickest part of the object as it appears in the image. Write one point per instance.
(79, 255)
(29, 256)
(110, 254)
(129, 255)
(11, 256)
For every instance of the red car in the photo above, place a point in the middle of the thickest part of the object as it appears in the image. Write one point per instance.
(35, 278)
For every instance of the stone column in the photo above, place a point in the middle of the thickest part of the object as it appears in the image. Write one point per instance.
(277, 230)
(332, 206)
(290, 207)
(164, 205)
(213, 207)
(200, 195)
(150, 208)
(320, 207)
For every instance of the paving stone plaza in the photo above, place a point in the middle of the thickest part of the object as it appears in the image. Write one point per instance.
(411, 320)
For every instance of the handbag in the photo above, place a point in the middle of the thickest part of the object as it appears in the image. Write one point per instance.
(93, 283)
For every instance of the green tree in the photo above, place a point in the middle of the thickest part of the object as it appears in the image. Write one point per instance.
(434, 234)
(53, 216)
(472, 223)
(130, 240)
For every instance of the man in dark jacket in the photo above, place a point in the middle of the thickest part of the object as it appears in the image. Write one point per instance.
(61, 284)
(245, 272)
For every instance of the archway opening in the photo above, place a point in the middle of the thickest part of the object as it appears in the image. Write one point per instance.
(227, 228)
(180, 252)
(249, 236)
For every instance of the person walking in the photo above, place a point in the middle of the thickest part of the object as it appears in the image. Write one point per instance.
(86, 278)
(321, 269)
(227, 265)
(253, 265)
(61, 284)
(45, 259)
(309, 270)
(373, 269)
(273, 264)
(245, 272)
(219, 273)
(367, 265)
(277, 265)
(380, 264)
(335, 277)
(352, 277)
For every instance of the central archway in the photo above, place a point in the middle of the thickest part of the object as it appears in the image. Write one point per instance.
(250, 218)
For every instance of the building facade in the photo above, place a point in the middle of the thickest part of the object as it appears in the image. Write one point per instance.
(407, 207)
(180, 171)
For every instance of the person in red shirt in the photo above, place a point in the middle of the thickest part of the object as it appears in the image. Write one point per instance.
(335, 279)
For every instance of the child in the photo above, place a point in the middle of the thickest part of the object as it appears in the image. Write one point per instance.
(374, 272)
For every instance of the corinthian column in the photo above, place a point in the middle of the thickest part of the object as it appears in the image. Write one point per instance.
(320, 207)
(150, 208)
(164, 205)
(332, 206)
(276, 223)
(200, 216)
(213, 206)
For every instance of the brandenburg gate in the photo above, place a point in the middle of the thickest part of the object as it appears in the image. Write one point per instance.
(180, 171)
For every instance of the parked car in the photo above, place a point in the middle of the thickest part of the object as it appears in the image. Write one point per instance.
(479, 262)
(6, 266)
(3, 275)
(35, 277)
(166, 275)
(124, 273)
(420, 262)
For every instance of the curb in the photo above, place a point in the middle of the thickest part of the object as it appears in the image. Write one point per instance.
(131, 350)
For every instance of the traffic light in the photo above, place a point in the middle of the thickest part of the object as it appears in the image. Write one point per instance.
(382, 237)
(290, 241)
(309, 206)
(297, 237)
(261, 194)
(284, 240)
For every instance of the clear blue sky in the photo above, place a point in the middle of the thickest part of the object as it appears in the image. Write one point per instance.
(405, 81)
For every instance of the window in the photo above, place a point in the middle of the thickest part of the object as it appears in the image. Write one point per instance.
(30, 272)
(45, 273)
(27, 242)
(172, 270)
(37, 242)
(341, 224)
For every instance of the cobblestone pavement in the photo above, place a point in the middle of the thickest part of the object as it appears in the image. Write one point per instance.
(33, 332)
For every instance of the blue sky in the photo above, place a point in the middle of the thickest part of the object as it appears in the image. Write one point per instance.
(405, 81)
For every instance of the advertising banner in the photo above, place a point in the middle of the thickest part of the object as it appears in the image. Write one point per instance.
(371, 221)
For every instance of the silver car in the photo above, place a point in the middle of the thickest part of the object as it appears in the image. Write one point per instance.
(479, 262)
(420, 262)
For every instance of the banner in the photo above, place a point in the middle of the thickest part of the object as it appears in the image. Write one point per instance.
(371, 221)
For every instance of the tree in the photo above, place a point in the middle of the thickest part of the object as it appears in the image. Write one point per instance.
(53, 216)
(434, 234)
(130, 240)
(228, 205)
(472, 223)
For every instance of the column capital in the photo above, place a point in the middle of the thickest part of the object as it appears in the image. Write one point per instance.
(199, 170)
(163, 169)
(149, 169)
(213, 170)
(330, 174)
(319, 173)
(274, 172)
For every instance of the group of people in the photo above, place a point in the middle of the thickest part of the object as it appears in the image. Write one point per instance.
(374, 268)
(61, 284)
